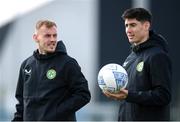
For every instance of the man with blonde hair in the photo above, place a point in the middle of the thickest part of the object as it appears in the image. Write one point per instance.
(51, 85)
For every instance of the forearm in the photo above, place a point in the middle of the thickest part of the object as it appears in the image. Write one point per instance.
(74, 102)
(18, 115)
(157, 97)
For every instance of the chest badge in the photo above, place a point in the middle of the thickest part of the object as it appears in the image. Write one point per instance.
(51, 74)
(140, 66)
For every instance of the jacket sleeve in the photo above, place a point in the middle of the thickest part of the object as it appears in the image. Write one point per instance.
(160, 78)
(79, 94)
(18, 116)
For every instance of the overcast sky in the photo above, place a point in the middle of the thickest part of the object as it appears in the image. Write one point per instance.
(12, 8)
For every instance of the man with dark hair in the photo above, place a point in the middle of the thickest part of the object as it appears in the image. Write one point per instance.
(148, 93)
(51, 85)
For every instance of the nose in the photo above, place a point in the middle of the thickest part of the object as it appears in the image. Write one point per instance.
(128, 30)
(53, 38)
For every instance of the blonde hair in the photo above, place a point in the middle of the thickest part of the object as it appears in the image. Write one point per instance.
(47, 23)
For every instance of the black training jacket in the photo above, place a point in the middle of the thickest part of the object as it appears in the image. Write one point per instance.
(50, 87)
(149, 87)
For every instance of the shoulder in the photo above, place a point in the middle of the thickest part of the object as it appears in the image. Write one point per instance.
(71, 67)
(66, 58)
(159, 59)
(72, 61)
(155, 56)
(28, 61)
(155, 52)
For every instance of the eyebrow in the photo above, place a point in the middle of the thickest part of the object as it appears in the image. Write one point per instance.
(130, 24)
(50, 34)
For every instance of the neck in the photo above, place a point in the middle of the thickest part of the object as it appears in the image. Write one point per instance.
(143, 40)
(41, 52)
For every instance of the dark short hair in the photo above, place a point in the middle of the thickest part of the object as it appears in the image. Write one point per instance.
(139, 14)
(47, 23)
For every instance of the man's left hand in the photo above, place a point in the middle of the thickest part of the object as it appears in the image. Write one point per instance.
(121, 95)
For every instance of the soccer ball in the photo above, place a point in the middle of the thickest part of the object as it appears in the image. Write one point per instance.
(112, 77)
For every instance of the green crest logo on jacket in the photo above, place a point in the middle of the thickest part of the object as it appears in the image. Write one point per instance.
(140, 66)
(51, 74)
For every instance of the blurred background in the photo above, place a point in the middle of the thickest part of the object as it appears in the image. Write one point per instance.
(93, 33)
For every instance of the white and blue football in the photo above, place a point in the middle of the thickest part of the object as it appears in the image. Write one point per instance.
(112, 77)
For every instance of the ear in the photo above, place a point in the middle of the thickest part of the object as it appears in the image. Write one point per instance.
(147, 25)
(35, 37)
